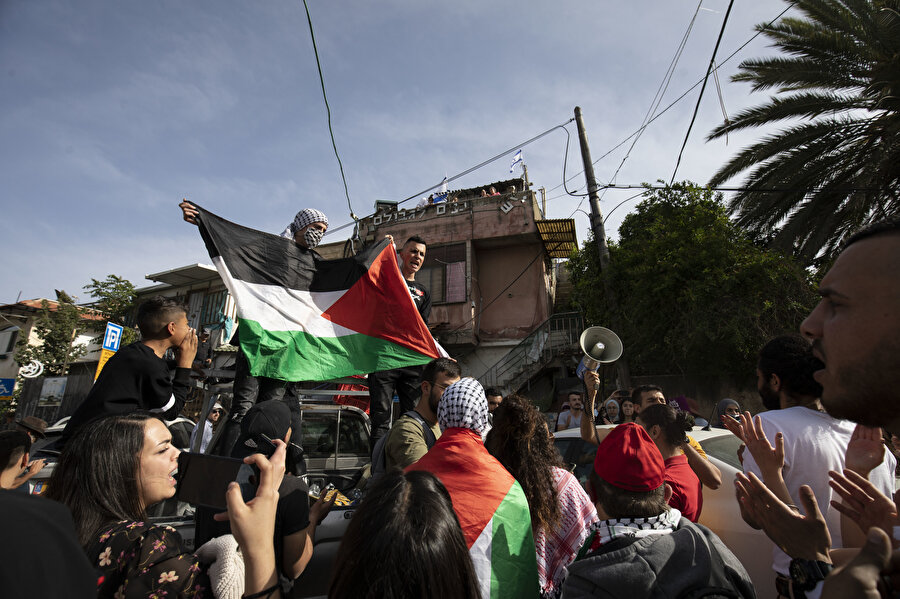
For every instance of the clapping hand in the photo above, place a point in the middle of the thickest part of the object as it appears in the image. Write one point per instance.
(865, 451)
(863, 503)
(797, 535)
(749, 430)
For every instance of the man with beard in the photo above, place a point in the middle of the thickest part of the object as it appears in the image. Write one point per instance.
(408, 440)
(814, 442)
(855, 332)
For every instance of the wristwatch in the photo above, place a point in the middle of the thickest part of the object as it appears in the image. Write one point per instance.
(807, 573)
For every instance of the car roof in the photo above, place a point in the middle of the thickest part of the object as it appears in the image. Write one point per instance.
(697, 433)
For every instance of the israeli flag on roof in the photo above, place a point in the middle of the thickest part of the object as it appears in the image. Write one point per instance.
(517, 159)
(442, 196)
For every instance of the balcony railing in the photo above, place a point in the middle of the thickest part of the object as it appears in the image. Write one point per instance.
(557, 333)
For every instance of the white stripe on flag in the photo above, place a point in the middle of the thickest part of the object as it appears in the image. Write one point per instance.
(480, 552)
(517, 159)
(282, 309)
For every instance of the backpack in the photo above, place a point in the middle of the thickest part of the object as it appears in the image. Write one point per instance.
(379, 459)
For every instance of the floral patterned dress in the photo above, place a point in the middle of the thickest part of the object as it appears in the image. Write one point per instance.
(138, 560)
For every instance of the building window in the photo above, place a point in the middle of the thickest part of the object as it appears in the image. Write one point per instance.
(444, 273)
(213, 304)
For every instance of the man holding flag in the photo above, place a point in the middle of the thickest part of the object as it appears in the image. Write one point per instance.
(307, 229)
(303, 318)
(404, 381)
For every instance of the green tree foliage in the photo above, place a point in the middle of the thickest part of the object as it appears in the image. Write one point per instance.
(696, 295)
(56, 327)
(837, 161)
(114, 299)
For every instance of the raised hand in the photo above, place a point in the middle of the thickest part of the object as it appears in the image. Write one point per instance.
(865, 452)
(189, 211)
(863, 503)
(798, 535)
(187, 350)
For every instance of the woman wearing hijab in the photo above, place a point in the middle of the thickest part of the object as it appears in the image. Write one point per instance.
(727, 408)
(612, 411)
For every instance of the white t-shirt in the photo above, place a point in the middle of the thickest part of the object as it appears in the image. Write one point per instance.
(568, 420)
(815, 443)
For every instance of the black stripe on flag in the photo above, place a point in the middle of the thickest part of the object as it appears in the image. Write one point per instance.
(265, 259)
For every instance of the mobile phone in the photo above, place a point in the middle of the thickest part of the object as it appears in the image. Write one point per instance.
(203, 479)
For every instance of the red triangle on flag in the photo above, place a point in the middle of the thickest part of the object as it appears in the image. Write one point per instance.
(379, 305)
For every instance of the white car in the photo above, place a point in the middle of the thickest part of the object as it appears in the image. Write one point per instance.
(720, 513)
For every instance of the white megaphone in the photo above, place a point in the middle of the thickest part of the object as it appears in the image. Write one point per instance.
(600, 346)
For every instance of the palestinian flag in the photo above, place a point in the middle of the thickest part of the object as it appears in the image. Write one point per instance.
(307, 319)
(492, 511)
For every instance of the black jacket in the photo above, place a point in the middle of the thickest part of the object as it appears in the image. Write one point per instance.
(135, 378)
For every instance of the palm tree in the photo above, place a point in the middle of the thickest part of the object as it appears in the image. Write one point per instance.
(836, 166)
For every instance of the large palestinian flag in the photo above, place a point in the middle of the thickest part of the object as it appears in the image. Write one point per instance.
(306, 319)
(492, 511)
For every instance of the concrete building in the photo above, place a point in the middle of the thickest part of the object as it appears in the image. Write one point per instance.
(490, 269)
(17, 321)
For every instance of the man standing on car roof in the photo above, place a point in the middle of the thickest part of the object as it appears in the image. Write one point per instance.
(405, 381)
(307, 229)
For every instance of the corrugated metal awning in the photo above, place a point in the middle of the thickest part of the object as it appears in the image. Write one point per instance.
(185, 275)
(558, 236)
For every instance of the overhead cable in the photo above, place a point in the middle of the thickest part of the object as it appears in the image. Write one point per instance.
(712, 63)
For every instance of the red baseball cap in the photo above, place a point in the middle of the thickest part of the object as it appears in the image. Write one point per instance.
(629, 459)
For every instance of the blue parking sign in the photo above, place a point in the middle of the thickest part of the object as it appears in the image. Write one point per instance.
(112, 337)
(6, 388)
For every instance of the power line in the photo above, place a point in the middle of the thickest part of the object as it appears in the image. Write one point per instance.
(312, 36)
(490, 160)
(467, 171)
(660, 91)
(712, 62)
(755, 189)
(685, 93)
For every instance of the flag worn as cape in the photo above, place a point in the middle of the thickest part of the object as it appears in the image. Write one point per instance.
(303, 318)
(492, 511)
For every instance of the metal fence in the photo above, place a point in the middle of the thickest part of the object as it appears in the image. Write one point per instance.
(557, 333)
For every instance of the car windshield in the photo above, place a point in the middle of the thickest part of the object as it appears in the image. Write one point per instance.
(724, 448)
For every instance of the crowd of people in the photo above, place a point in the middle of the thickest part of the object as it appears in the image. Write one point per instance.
(468, 496)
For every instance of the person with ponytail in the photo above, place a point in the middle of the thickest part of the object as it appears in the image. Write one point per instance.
(668, 427)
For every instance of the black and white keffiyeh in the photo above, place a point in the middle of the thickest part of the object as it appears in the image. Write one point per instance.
(603, 531)
(305, 217)
(463, 404)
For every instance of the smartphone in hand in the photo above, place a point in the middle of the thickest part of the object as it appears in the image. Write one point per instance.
(203, 479)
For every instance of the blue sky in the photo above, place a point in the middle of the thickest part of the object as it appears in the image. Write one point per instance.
(111, 112)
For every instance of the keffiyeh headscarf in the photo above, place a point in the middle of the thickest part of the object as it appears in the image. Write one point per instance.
(305, 217)
(464, 405)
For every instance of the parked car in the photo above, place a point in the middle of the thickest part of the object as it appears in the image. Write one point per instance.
(720, 509)
(335, 441)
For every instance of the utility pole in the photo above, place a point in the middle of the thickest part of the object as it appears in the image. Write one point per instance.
(624, 375)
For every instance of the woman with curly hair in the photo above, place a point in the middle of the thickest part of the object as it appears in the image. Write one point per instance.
(561, 511)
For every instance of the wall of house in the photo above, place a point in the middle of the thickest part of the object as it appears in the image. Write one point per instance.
(511, 286)
(501, 242)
